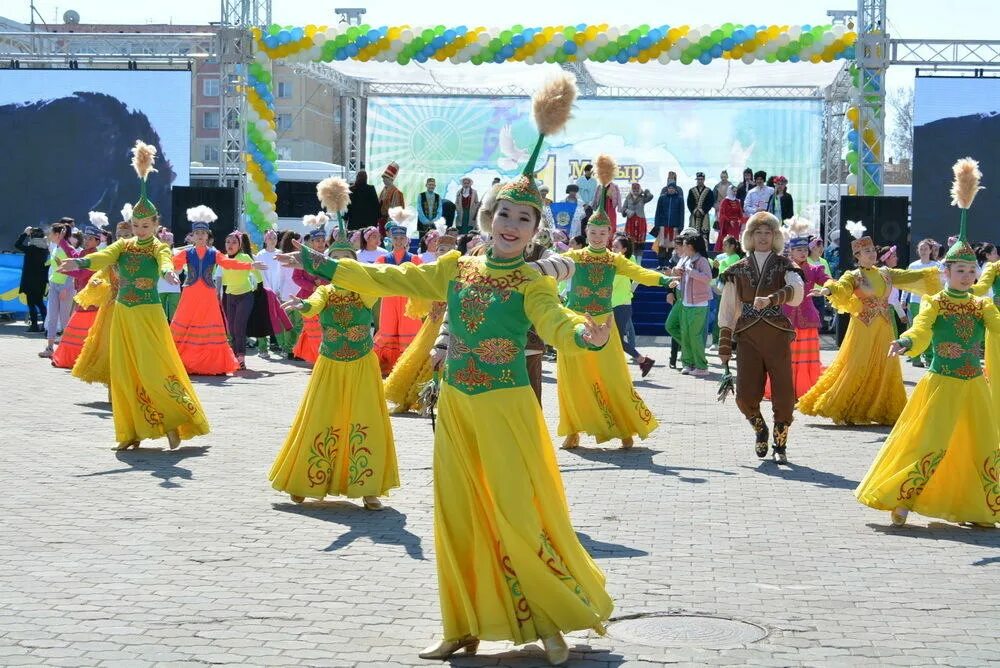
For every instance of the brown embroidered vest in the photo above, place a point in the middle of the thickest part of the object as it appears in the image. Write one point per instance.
(752, 281)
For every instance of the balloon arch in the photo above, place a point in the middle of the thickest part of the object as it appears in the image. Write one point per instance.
(552, 44)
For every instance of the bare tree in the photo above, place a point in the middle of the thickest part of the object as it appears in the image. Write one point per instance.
(901, 134)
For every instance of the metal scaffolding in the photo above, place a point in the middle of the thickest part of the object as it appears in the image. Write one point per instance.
(872, 51)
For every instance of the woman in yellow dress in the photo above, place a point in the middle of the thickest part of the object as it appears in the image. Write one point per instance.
(340, 442)
(415, 366)
(93, 363)
(942, 459)
(595, 391)
(151, 395)
(863, 385)
(510, 566)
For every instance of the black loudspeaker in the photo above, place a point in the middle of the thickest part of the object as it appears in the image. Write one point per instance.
(296, 199)
(887, 220)
(220, 200)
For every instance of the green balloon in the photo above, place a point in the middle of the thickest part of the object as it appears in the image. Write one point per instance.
(353, 33)
(686, 59)
(782, 54)
(807, 39)
(517, 27)
(274, 29)
(634, 34)
(851, 158)
(728, 27)
(569, 32)
(771, 58)
(717, 35)
(438, 30)
(871, 189)
(403, 59)
(793, 47)
(506, 36)
(705, 42)
(476, 60)
(644, 28)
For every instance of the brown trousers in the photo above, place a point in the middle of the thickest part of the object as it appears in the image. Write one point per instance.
(534, 364)
(764, 351)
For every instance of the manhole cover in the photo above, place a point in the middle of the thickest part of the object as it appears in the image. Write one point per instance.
(686, 631)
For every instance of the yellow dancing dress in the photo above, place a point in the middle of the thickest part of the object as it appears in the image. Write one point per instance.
(864, 385)
(990, 280)
(510, 566)
(596, 395)
(942, 459)
(93, 364)
(340, 442)
(415, 367)
(150, 390)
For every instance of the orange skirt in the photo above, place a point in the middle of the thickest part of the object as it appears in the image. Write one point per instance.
(73, 337)
(395, 332)
(806, 367)
(199, 332)
(307, 347)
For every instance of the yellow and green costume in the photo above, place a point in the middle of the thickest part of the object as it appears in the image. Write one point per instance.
(942, 459)
(415, 367)
(864, 385)
(596, 395)
(990, 280)
(340, 442)
(150, 390)
(93, 365)
(510, 566)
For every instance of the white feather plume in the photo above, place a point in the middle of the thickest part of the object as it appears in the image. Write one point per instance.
(322, 219)
(127, 212)
(309, 220)
(201, 214)
(98, 219)
(856, 228)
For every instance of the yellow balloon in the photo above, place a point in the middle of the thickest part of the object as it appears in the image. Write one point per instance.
(816, 58)
(310, 30)
(673, 34)
(869, 136)
(255, 32)
(643, 58)
(853, 115)
(539, 39)
(736, 52)
(850, 38)
(394, 33)
(852, 190)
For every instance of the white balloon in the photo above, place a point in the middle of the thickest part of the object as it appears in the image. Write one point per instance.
(828, 38)
(271, 135)
(484, 38)
(612, 32)
(396, 45)
(624, 29)
(261, 57)
(272, 218)
(263, 125)
(852, 180)
(664, 57)
(331, 33)
(675, 52)
(558, 39)
(692, 36)
(748, 58)
(683, 43)
(406, 36)
(319, 39)
(601, 39)
(705, 29)
(838, 30)
(794, 32)
(783, 40)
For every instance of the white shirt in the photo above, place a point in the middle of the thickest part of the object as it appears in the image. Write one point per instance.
(757, 200)
(272, 274)
(730, 307)
(588, 189)
(915, 298)
(369, 256)
(164, 287)
(428, 256)
(287, 288)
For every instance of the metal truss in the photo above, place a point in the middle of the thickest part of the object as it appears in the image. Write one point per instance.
(872, 52)
(920, 52)
(834, 173)
(328, 76)
(39, 49)
(769, 92)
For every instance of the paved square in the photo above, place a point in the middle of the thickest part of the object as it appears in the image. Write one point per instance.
(189, 557)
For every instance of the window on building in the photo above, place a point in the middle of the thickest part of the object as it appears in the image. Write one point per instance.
(210, 120)
(284, 121)
(210, 153)
(284, 89)
(284, 153)
(210, 87)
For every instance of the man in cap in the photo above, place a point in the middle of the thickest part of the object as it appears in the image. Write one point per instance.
(390, 197)
(700, 201)
(428, 207)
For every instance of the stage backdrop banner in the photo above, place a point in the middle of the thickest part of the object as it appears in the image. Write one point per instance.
(954, 117)
(452, 137)
(11, 301)
(66, 135)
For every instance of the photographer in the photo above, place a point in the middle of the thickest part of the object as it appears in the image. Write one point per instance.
(61, 288)
(34, 273)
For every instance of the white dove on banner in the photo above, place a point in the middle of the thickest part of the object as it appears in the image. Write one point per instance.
(511, 156)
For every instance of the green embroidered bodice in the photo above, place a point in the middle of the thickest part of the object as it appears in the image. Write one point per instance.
(139, 264)
(347, 326)
(592, 283)
(957, 335)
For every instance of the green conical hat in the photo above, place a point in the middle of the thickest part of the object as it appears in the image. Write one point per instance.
(963, 191)
(343, 241)
(600, 216)
(551, 107)
(143, 156)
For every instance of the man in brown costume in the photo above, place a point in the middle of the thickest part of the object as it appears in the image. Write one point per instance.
(750, 314)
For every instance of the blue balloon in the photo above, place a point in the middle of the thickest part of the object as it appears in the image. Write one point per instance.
(727, 44)
(848, 53)
(351, 50)
(622, 57)
(517, 41)
(271, 41)
(852, 137)
(750, 31)
(498, 58)
(806, 28)
(461, 30)
(420, 57)
(507, 51)
(570, 47)
(705, 58)
(633, 51)
(449, 36)
(383, 31)
(297, 34)
(284, 37)
(361, 42)
(645, 42)
(794, 58)
(716, 51)
(438, 43)
(373, 36)
(655, 35)
(340, 54)
(739, 36)
(581, 27)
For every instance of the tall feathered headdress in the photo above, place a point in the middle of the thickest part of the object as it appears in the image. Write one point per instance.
(201, 218)
(606, 169)
(797, 232)
(143, 157)
(964, 189)
(403, 217)
(98, 222)
(551, 106)
(857, 229)
(334, 194)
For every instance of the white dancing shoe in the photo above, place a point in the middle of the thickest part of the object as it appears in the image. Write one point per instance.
(372, 503)
(556, 649)
(898, 516)
(446, 648)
